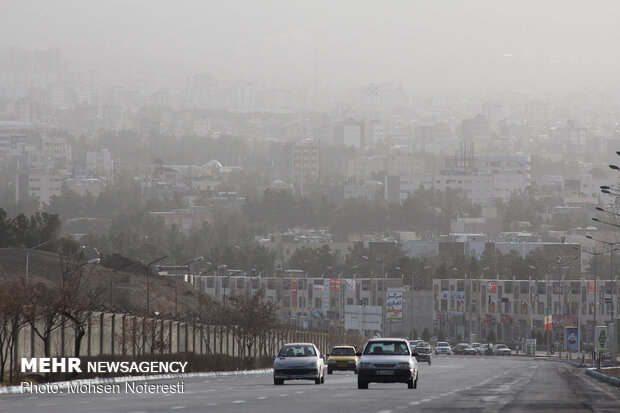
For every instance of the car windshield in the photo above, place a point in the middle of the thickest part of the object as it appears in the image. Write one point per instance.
(342, 351)
(388, 348)
(443, 344)
(299, 350)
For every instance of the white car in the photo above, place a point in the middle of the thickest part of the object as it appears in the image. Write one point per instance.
(414, 343)
(387, 360)
(443, 347)
(501, 350)
(299, 361)
(478, 347)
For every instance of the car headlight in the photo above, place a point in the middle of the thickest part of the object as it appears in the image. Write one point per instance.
(332, 361)
(351, 361)
(365, 365)
(312, 365)
(278, 364)
(404, 365)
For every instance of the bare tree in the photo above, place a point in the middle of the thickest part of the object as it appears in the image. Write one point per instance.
(12, 320)
(78, 295)
(251, 317)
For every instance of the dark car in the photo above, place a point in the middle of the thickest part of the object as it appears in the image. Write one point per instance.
(464, 348)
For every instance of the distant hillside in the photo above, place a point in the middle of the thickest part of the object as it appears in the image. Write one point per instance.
(128, 287)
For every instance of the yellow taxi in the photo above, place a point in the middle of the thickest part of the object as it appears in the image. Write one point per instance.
(342, 358)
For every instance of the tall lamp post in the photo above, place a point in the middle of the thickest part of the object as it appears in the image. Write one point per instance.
(384, 297)
(148, 294)
(28, 255)
(612, 277)
(226, 278)
(595, 255)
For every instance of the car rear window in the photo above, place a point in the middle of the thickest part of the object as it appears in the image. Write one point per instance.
(297, 351)
(443, 344)
(379, 348)
(343, 352)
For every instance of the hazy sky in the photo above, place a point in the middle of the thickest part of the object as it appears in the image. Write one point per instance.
(429, 45)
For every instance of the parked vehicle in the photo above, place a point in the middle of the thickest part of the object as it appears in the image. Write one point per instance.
(465, 349)
(478, 347)
(299, 361)
(387, 360)
(501, 350)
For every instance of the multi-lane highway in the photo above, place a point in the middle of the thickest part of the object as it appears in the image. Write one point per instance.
(476, 383)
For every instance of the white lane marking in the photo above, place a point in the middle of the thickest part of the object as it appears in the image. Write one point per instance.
(283, 395)
(300, 392)
(384, 411)
(426, 400)
(177, 407)
(206, 381)
(414, 403)
(239, 401)
(261, 398)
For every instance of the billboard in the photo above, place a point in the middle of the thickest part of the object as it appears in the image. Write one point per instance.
(394, 306)
(600, 342)
(362, 317)
(334, 284)
(572, 338)
(350, 285)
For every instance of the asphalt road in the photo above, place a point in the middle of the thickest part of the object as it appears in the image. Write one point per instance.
(475, 383)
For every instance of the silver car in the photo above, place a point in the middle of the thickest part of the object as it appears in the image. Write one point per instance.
(443, 347)
(299, 361)
(387, 360)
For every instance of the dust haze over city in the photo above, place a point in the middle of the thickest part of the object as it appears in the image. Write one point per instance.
(207, 181)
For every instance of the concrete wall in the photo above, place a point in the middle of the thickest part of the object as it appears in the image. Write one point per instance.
(121, 334)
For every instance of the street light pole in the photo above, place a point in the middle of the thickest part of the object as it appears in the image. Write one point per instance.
(612, 277)
(383, 299)
(148, 267)
(28, 255)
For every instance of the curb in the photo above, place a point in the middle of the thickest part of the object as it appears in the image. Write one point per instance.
(572, 363)
(111, 380)
(608, 379)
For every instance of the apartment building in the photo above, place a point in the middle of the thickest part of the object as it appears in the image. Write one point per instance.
(515, 309)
